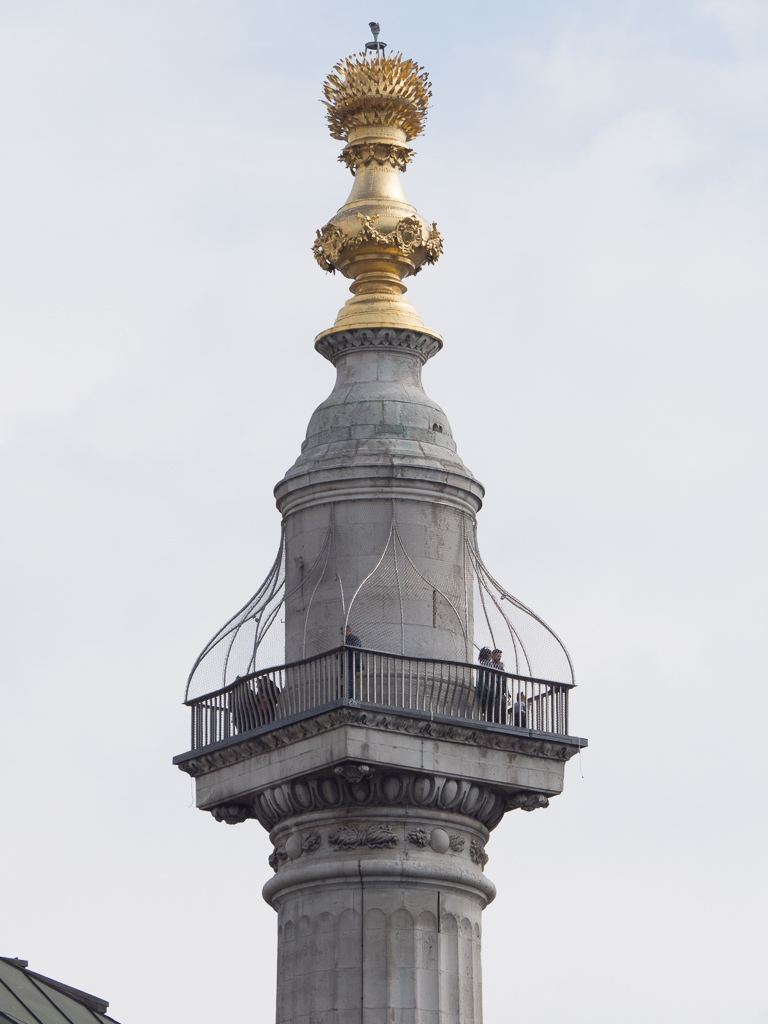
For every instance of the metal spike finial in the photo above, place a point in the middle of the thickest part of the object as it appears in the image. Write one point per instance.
(375, 44)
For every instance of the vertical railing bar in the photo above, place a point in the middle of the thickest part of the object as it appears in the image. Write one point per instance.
(567, 712)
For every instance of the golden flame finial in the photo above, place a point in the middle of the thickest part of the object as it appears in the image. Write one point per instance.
(387, 91)
(377, 105)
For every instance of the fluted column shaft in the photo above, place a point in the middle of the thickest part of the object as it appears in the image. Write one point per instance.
(379, 917)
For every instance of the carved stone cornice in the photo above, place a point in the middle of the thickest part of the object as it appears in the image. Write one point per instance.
(386, 789)
(403, 789)
(526, 801)
(242, 750)
(353, 772)
(232, 814)
(399, 339)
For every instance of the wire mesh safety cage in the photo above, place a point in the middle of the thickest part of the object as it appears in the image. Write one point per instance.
(398, 577)
(350, 674)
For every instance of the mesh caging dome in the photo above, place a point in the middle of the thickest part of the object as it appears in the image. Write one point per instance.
(457, 596)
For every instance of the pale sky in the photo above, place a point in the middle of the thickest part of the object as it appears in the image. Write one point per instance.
(599, 172)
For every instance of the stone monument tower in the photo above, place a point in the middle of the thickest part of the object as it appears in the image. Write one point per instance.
(382, 701)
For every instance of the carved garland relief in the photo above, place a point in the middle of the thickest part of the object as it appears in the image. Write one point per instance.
(419, 836)
(375, 837)
(478, 854)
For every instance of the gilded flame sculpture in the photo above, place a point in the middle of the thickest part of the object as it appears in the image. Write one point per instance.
(386, 91)
(377, 106)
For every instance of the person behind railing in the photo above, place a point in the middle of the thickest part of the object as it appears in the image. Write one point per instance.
(353, 658)
(267, 697)
(499, 688)
(492, 686)
(242, 704)
(484, 679)
(520, 711)
(253, 703)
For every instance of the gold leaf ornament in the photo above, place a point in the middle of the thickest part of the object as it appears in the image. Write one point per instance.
(409, 235)
(326, 248)
(389, 91)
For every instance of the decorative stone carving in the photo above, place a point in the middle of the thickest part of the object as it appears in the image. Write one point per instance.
(353, 772)
(380, 789)
(419, 836)
(401, 339)
(297, 844)
(439, 840)
(314, 725)
(526, 801)
(276, 858)
(232, 814)
(407, 237)
(361, 154)
(380, 836)
(311, 842)
(478, 854)
(456, 843)
(293, 846)
(345, 837)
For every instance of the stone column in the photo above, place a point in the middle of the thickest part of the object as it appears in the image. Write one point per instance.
(379, 902)
(379, 813)
(378, 453)
(379, 820)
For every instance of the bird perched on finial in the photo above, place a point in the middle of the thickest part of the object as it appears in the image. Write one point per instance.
(375, 44)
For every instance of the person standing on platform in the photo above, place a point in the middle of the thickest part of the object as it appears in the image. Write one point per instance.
(353, 658)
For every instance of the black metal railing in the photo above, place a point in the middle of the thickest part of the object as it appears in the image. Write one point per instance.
(476, 693)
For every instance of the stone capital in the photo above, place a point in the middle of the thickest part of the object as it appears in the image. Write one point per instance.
(422, 344)
(351, 757)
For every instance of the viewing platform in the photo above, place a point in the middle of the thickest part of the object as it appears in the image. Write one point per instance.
(426, 688)
(361, 727)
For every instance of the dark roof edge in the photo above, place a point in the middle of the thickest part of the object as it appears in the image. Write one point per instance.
(84, 998)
